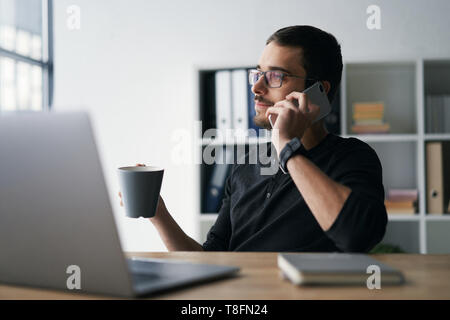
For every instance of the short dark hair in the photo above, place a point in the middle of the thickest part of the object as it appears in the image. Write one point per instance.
(321, 53)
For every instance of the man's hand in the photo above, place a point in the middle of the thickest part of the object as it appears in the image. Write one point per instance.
(161, 209)
(291, 121)
(170, 232)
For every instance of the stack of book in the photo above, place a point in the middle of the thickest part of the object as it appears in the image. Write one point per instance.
(368, 117)
(402, 201)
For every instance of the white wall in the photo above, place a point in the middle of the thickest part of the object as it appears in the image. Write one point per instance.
(132, 65)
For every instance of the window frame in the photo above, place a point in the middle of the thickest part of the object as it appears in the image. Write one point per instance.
(46, 63)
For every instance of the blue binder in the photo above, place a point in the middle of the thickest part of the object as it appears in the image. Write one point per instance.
(216, 184)
(251, 109)
(216, 187)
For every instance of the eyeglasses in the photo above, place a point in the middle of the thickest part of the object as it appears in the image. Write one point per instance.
(273, 78)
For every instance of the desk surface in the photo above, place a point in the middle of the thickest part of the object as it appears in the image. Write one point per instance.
(427, 277)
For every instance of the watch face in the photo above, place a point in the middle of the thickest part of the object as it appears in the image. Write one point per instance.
(295, 143)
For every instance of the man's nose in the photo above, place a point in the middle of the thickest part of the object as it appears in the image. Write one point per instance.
(259, 88)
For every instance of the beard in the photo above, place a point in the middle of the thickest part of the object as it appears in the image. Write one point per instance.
(261, 121)
(260, 118)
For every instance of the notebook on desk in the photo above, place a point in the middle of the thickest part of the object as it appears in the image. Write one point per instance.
(57, 228)
(335, 269)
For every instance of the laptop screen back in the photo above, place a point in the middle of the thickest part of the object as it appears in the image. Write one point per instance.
(54, 206)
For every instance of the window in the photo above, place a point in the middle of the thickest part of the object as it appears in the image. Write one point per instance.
(25, 55)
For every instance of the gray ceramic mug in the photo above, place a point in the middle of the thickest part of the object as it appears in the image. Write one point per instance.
(140, 187)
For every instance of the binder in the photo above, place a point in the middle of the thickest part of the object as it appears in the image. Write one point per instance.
(223, 101)
(240, 100)
(251, 110)
(441, 117)
(446, 114)
(429, 114)
(438, 113)
(438, 176)
(216, 184)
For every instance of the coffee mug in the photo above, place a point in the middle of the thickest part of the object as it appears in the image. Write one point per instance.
(140, 187)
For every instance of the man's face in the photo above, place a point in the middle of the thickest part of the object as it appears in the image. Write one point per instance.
(287, 60)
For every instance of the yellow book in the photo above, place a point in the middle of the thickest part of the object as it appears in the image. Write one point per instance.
(368, 106)
(357, 116)
(371, 128)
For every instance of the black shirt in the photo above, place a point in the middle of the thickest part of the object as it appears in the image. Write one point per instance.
(268, 213)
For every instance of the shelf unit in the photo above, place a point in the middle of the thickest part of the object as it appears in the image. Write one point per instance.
(402, 86)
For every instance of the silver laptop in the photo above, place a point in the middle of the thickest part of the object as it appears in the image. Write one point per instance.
(56, 220)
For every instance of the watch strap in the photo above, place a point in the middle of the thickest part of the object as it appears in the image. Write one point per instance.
(291, 148)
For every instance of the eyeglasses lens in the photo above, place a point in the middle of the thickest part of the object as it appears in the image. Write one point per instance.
(274, 79)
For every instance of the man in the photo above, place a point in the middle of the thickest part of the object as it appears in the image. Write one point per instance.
(332, 198)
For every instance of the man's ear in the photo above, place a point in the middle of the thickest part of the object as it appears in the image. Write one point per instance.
(326, 85)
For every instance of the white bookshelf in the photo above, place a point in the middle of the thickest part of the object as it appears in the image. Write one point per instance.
(433, 136)
(403, 217)
(437, 218)
(402, 86)
(384, 137)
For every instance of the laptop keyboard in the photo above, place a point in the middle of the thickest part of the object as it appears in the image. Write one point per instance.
(145, 267)
(146, 271)
(140, 278)
(160, 274)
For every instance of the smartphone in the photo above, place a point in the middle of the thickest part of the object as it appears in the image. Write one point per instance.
(318, 96)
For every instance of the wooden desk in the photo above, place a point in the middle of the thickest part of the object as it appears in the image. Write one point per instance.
(427, 277)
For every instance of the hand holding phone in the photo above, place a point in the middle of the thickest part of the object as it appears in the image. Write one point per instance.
(317, 96)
